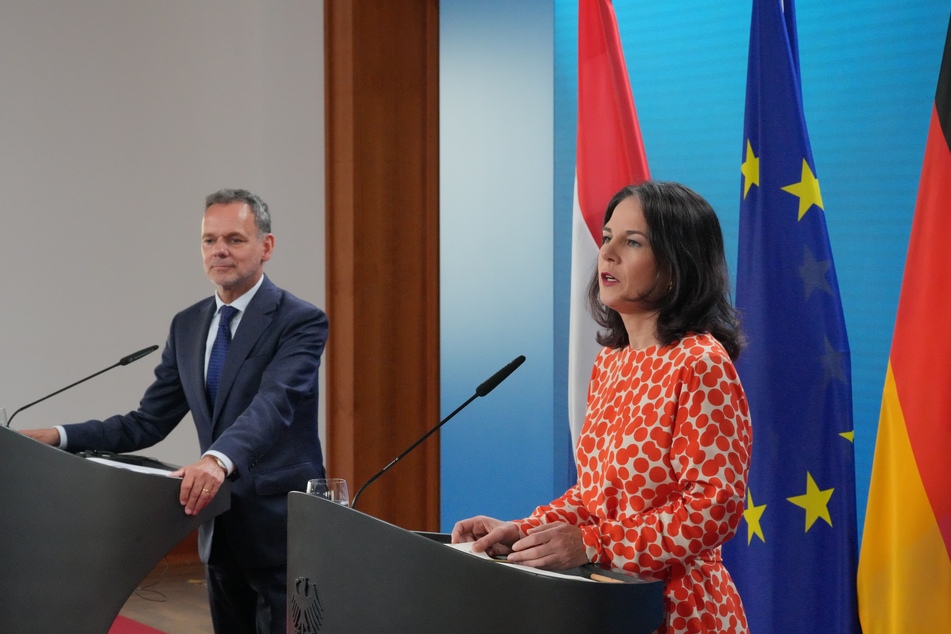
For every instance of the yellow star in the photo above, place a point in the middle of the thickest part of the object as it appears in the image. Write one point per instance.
(807, 190)
(750, 169)
(849, 435)
(752, 515)
(814, 501)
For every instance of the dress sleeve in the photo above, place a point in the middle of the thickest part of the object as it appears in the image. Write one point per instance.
(568, 508)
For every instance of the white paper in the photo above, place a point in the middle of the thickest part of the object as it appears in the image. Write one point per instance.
(466, 547)
(131, 467)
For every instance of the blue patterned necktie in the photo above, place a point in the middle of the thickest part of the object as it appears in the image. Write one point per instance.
(218, 352)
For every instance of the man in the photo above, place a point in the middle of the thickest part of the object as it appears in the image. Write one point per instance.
(254, 403)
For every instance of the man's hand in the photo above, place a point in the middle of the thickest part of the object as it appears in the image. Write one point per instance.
(47, 436)
(200, 483)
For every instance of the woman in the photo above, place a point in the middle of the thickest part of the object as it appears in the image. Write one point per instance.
(664, 451)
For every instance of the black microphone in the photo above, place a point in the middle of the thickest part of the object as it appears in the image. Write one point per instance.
(490, 384)
(135, 356)
(493, 381)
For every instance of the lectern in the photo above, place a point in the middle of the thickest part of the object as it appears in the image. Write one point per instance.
(349, 572)
(77, 536)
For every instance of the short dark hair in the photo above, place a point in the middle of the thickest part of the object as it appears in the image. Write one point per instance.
(262, 217)
(687, 243)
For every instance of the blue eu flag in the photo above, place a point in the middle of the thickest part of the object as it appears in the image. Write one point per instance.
(794, 557)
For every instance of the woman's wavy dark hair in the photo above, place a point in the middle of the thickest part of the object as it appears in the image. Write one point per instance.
(692, 290)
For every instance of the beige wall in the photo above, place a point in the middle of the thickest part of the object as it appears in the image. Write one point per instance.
(116, 118)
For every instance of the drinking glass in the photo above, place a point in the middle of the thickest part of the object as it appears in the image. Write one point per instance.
(334, 489)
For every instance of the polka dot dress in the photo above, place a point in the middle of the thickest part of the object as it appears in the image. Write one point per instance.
(662, 462)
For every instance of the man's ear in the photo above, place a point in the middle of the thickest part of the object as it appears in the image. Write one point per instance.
(268, 247)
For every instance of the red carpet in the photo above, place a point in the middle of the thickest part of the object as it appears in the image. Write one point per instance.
(123, 625)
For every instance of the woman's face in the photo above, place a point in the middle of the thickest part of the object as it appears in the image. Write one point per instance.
(627, 269)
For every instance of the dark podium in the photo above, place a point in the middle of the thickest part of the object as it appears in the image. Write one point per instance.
(349, 572)
(77, 537)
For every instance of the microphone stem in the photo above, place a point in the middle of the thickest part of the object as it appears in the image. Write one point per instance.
(9, 420)
(353, 504)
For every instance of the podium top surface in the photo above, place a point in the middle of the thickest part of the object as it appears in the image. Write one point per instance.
(350, 572)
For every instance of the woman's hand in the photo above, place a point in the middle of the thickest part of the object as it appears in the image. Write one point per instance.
(556, 546)
(489, 535)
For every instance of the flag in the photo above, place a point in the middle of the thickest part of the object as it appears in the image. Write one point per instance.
(904, 580)
(794, 558)
(609, 156)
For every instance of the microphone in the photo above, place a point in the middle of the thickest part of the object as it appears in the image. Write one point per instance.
(135, 356)
(487, 386)
(493, 381)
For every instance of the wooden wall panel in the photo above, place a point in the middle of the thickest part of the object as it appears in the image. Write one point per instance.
(382, 252)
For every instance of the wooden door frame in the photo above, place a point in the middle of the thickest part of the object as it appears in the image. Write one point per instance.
(382, 252)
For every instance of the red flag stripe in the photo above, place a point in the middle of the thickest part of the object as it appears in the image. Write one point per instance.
(609, 151)
(924, 312)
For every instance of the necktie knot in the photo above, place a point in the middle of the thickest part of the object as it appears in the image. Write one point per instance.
(227, 312)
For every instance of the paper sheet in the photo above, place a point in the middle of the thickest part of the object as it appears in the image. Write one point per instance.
(466, 547)
(130, 467)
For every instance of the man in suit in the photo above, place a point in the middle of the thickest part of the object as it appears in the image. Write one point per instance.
(254, 402)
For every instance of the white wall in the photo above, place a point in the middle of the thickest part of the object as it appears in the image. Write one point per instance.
(116, 119)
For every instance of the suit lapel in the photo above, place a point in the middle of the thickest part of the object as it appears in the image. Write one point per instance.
(198, 342)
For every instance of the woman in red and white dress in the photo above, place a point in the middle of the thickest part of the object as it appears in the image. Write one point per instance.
(664, 451)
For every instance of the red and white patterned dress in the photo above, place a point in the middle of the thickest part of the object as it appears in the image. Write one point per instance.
(662, 463)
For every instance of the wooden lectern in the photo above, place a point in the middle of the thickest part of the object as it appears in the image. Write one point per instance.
(77, 536)
(349, 572)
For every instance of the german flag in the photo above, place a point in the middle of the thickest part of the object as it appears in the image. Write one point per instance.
(904, 577)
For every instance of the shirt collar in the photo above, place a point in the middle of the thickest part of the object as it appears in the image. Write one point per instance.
(242, 302)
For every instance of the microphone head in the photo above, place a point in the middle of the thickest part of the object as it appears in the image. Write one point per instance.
(135, 356)
(493, 381)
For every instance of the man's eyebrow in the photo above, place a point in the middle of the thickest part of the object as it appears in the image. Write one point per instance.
(226, 235)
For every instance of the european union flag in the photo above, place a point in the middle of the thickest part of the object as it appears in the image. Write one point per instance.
(794, 558)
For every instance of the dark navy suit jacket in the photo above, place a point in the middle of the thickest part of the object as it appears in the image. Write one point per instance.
(265, 418)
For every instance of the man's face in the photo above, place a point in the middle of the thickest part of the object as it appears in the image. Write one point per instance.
(231, 250)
